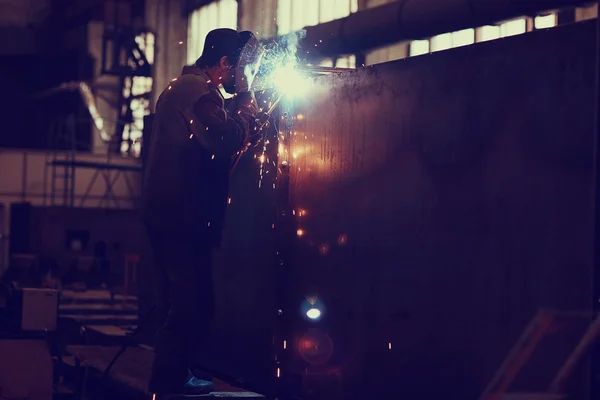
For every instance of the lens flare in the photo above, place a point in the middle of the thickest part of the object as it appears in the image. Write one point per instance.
(313, 313)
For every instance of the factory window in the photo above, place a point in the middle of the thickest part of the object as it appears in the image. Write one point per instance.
(514, 27)
(218, 14)
(340, 62)
(442, 42)
(545, 21)
(137, 88)
(293, 15)
(488, 32)
(464, 37)
(509, 28)
(396, 51)
(455, 39)
(418, 47)
(587, 12)
(346, 62)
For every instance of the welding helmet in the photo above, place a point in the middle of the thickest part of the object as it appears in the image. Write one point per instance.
(248, 63)
(243, 51)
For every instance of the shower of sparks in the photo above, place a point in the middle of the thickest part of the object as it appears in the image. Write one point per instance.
(281, 74)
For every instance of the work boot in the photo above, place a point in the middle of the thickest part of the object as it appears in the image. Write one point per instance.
(195, 386)
(199, 373)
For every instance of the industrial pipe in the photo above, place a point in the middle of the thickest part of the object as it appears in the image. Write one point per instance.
(415, 19)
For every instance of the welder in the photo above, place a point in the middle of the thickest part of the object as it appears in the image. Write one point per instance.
(194, 142)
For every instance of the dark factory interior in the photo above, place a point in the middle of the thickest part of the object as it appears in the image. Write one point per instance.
(300, 199)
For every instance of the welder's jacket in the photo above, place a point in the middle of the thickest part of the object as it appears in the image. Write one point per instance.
(193, 141)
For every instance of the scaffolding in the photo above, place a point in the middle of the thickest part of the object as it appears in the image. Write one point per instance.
(62, 165)
(128, 54)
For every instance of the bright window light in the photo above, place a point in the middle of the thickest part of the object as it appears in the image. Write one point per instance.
(326, 63)
(441, 42)
(545, 21)
(146, 43)
(418, 47)
(512, 28)
(389, 53)
(464, 37)
(346, 62)
(218, 14)
(284, 16)
(293, 15)
(488, 32)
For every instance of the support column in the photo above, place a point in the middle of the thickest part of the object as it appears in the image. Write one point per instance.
(167, 20)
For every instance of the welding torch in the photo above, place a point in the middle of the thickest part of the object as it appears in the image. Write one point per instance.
(262, 125)
(262, 121)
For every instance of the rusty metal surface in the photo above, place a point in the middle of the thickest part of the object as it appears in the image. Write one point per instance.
(448, 198)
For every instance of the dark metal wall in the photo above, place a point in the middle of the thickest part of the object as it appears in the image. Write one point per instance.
(448, 199)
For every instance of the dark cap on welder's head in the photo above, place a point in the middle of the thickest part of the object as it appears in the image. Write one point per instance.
(221, 43)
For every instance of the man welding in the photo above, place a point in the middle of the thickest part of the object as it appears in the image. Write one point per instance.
(194, 141)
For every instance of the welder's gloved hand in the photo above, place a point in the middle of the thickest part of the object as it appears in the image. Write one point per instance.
(248, 63)
(245, 103)
(255, 138)
(259, 126)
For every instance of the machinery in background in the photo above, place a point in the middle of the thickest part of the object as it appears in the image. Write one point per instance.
(28, 316)
(27, 310)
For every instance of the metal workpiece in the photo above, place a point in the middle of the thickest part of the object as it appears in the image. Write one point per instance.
(405, 222)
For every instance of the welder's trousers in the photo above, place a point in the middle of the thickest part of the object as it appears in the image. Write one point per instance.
(185, 306)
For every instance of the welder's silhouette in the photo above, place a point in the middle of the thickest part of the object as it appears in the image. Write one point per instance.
(185, 195)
